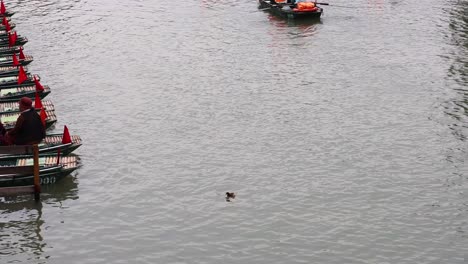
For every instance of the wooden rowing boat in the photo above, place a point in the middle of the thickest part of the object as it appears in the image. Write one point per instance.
(9, 119)
(9, 106)
(4, 42)
(289, 10)
(18, 92)
(10, 70)
(7, 60)
(6, 50)
(49, 172)
(52, 143)
(12, 81)
(12, 26)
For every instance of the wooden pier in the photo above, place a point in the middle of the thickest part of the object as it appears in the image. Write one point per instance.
(19, 170)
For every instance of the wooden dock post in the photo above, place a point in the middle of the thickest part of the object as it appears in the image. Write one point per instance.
(37, 182)
(18, 170)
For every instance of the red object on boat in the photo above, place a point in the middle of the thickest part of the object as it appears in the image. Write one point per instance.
(2, 8)
(15, 60)
(21, 54)
(39, 86)
(43, 116)
(37, 102)
(66, 136)
(22, 75)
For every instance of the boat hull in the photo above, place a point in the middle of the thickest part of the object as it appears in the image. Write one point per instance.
(18, 92)
(51, 144)
(52, 169)
(10, 50)
(286, 12)
(45, 178)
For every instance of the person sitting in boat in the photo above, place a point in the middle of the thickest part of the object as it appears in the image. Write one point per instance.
(279, 1)
(305, 4)
(29, 128)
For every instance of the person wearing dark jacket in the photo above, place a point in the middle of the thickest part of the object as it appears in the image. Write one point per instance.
(28, 129)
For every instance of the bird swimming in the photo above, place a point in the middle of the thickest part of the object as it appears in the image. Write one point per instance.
(229, 196)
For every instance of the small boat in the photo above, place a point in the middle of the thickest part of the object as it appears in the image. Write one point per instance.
(7, 60)
(49, 171)
(6, 50)
(9, 106)
(10, 70)
(4, 42)
(24, 91)
(291, 11)
(12, 81)
(9, 119)
(12, 26)
(7, 14)
(52, 143)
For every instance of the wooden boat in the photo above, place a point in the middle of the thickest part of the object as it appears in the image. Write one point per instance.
(51, 144)
(290, 11)
(12, 25)
(10, 70)
(9, 119)
(12, 81)
(7, 60)
(4, 42)
(9, 106)
(18, 92)
(6, 50)
(8, 18)
(49, 171)
(7, 14)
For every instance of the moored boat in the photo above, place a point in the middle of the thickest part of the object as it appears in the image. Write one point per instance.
(6, 14)
(10, 70)
(9, 119)
(50, 170)
(11, 24)
(20, 41)
(292, 11)
(24, 91)
(6, 50)
(9, 106)
(7, 60)
(52, 143)
(12, 81)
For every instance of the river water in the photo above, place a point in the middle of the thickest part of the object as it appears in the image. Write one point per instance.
(345, 140)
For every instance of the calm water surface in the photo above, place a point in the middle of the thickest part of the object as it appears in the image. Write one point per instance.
(344, 139)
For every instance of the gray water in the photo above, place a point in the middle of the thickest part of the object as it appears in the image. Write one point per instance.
(345, 140)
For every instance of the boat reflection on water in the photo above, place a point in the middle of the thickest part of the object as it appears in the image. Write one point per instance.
(303, 23)
(21, 221)
(293, 28)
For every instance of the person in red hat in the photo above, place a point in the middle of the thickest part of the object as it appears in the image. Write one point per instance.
(28, 129)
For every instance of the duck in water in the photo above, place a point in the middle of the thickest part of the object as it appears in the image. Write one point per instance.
(229, 196)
